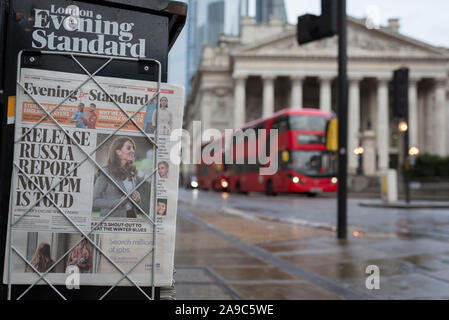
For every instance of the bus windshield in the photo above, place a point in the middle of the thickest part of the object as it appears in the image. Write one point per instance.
(308, 123)
(314, 163)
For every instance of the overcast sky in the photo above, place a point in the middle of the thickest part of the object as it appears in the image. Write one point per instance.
(427, 21)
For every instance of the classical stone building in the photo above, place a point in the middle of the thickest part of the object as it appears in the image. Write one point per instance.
(265, 70)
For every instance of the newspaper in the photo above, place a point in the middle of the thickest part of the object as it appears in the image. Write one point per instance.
(98, 173)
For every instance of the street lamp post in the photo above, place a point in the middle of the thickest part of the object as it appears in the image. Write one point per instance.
(413, 152)
(358, 151)
(400, 110)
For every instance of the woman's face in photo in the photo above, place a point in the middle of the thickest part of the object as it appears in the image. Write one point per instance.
(126, 153)
(161, 207)
(83, 243)
(164, 103)
(163, 170)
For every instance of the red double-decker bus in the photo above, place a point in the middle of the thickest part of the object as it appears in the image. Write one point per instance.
(304, 165)
(213, 176)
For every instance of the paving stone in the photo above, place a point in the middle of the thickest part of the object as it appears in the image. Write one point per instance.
(282, 291)
(409, 286)
(202, 292)
(252, 273)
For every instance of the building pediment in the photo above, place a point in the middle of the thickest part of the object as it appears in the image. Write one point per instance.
(362, 42)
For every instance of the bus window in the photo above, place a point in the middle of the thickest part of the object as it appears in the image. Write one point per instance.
(314, 163)
(283, 160)
(280, 124)
(283, 125)
(310, 139)
(308, 123)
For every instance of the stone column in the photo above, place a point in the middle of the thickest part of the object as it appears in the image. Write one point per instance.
(440, 118)
(369, 156)
(353, 123)
(413, 112)
(369, 135)
(326, 94)
(296, 93)
(421, 118)
(268, 96)
(373, 108)
(430, 121)
(239, 101)
(447, 122)
(383, 125)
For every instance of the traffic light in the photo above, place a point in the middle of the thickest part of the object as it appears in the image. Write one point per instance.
(400, 93)
(311, 27)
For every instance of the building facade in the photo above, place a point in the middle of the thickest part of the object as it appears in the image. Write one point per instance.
(264, 70)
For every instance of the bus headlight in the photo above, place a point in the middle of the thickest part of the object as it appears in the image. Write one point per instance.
(224, 184)
(334, 180)
(194, 184)
(296, 180)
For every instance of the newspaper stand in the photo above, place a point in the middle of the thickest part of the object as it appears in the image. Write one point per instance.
(92, 66)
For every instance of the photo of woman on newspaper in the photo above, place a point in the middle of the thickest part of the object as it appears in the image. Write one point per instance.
(122, 169)
(81, 257)
(161, 207)
(148, 122)
(41, 259)
(165, 117)
(162, 169)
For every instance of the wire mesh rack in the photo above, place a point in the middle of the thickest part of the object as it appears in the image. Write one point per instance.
(88, 157)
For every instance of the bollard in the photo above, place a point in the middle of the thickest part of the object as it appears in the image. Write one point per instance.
(389, 186)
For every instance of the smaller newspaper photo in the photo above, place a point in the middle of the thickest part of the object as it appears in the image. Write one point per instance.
(82, 190)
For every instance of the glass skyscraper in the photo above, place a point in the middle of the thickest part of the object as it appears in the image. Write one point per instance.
(208, 19)
(268, 8)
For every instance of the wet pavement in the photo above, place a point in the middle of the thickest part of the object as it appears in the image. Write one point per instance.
(224, 251)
